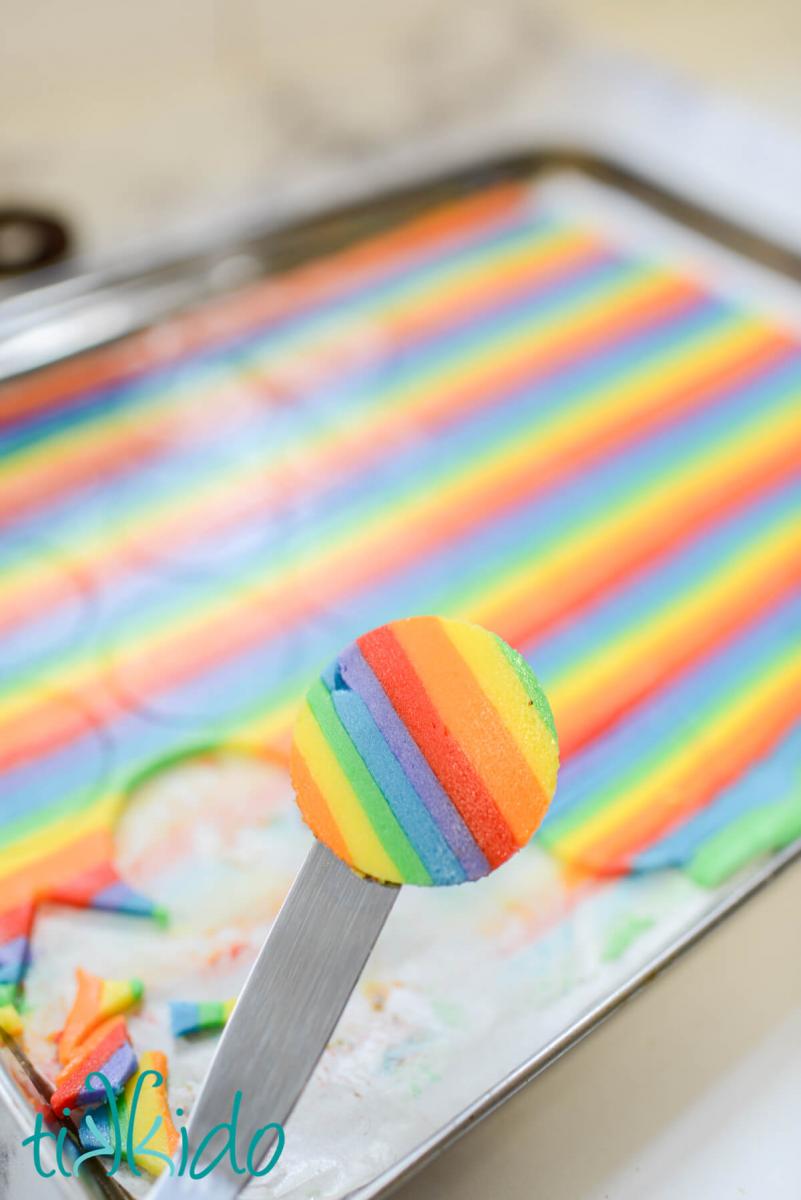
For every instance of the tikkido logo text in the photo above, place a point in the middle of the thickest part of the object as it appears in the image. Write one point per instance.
(112, 1146)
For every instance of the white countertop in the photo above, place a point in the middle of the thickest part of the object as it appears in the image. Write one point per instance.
(692, 1090)
(134, 117)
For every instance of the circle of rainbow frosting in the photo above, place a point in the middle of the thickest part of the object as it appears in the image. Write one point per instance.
(426, 753)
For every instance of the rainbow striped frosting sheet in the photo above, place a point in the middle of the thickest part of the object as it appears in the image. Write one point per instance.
(494, 411)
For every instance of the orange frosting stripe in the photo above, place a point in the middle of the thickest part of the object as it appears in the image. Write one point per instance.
(411, 701)
(316, 812)
(474, 722)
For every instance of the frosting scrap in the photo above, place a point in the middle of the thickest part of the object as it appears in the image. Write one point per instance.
(95, 1001)
(146, 1127)
(10, 1020)
(10, 1017)
(188, 1017)
(765, 829)
(107, 1050)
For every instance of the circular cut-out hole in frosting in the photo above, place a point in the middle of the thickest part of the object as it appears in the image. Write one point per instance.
(213, 836)
(212, 658)
(232, 497)
(172, 524)
(47, 604)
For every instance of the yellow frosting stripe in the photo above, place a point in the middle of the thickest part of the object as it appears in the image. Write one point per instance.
(504, 690)
(358, 834)
(10, 1020)
(52, 838)
(472, 723)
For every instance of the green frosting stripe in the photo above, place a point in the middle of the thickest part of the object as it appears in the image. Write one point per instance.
(388, 830)
(762, 832)
(530, 683)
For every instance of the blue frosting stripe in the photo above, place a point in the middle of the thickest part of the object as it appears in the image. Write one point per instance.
(419, 826)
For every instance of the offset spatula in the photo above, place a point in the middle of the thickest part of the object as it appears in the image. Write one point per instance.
(425, 754)
(285, 1015)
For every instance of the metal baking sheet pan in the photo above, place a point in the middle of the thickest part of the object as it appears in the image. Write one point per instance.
(520, 315)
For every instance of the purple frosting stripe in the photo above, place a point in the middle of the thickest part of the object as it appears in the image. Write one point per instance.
(119, 897)
(358, 675)
(118, 1070)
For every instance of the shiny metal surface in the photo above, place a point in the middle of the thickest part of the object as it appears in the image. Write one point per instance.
(533, 1066)
(285, 1016)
